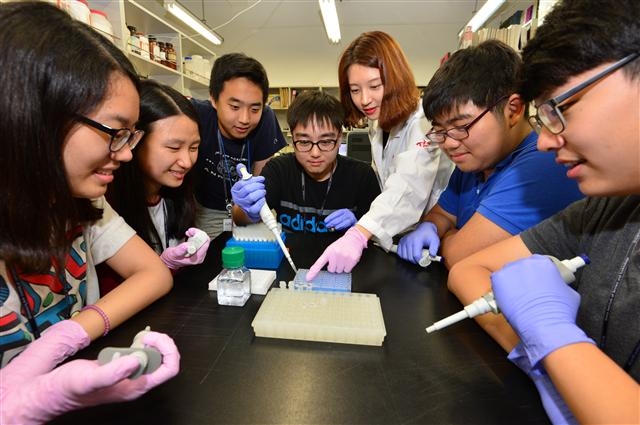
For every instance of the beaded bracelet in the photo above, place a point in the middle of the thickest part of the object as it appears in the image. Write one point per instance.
(105, 318)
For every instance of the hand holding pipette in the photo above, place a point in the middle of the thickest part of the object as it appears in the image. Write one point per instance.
(267, 217)
(487, 303)
(425, 258)
(249, 194)
(410, 247)
(191, 252)
(538, 304)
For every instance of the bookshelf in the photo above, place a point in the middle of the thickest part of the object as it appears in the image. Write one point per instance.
(281, 97)
(514, 23)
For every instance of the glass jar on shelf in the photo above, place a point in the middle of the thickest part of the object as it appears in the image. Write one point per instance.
(163, 53)
(171, 57)
(144, 45)
(133, 44)
(153, 48)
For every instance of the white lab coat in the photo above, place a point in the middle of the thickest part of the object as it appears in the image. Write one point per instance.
(411, 177)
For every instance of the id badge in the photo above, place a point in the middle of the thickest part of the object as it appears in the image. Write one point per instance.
(227, 225)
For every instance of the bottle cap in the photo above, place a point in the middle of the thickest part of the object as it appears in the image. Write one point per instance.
(232, 257)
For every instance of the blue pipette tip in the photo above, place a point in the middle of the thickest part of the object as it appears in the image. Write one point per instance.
(586, 258)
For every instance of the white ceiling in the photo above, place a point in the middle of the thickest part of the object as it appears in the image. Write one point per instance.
(288, 36)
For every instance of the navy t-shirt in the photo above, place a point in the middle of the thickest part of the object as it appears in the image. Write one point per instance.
(215, 169)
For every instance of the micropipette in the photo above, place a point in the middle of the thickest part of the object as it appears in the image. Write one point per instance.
(426, 257)
(487, 302)
(270, 221)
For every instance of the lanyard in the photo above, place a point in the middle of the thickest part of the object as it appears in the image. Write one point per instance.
(20, 289)
(224, 158)
(605, 322)
(324, 200)
(165, 219)
(25, 305)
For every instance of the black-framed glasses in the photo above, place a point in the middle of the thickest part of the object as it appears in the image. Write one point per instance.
(119, 136)
(549, 114)
(306, 145)
(461, 132)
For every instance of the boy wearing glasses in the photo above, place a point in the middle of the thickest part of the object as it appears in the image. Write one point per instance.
(236, 127)
(501, 184)
(314, 189)
(580, 343)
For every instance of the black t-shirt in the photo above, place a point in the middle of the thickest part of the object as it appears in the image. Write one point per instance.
(353, 186)
(215, 169)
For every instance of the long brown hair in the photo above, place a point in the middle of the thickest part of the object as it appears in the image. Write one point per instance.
(377, 49)
(65, 68)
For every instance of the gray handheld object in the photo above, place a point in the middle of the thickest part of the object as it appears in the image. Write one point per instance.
(149, 358)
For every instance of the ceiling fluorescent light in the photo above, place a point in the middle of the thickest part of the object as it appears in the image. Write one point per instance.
(330, 19)
(185, 16)
(481, 16)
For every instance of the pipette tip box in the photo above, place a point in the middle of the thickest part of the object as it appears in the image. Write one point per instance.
(342, 317)
(260, 254)
(324, 281)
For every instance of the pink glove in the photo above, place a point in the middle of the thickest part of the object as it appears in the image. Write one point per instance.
(177, 256)
(58, 342)
(37, 398)
(342, 255)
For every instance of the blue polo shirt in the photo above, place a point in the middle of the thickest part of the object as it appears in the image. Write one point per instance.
(526, 187)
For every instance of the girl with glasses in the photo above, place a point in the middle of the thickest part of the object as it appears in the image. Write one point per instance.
(56, 225)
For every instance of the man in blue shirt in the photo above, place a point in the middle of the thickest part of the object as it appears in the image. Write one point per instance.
(501, 185)
(236, 126)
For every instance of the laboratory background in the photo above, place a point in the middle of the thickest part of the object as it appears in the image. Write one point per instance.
(296, 42)
(237, 366)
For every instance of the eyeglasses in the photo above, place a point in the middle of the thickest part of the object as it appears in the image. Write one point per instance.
(307, 145)
(119, 136)
(462, 132)
(549, 113)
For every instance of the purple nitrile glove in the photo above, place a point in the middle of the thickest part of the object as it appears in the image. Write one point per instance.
(553, 403)
(340, 220)
(342, 255)
(39, 397)
(249, 194)
(424, 236)
(178, 256)
(539, 305)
